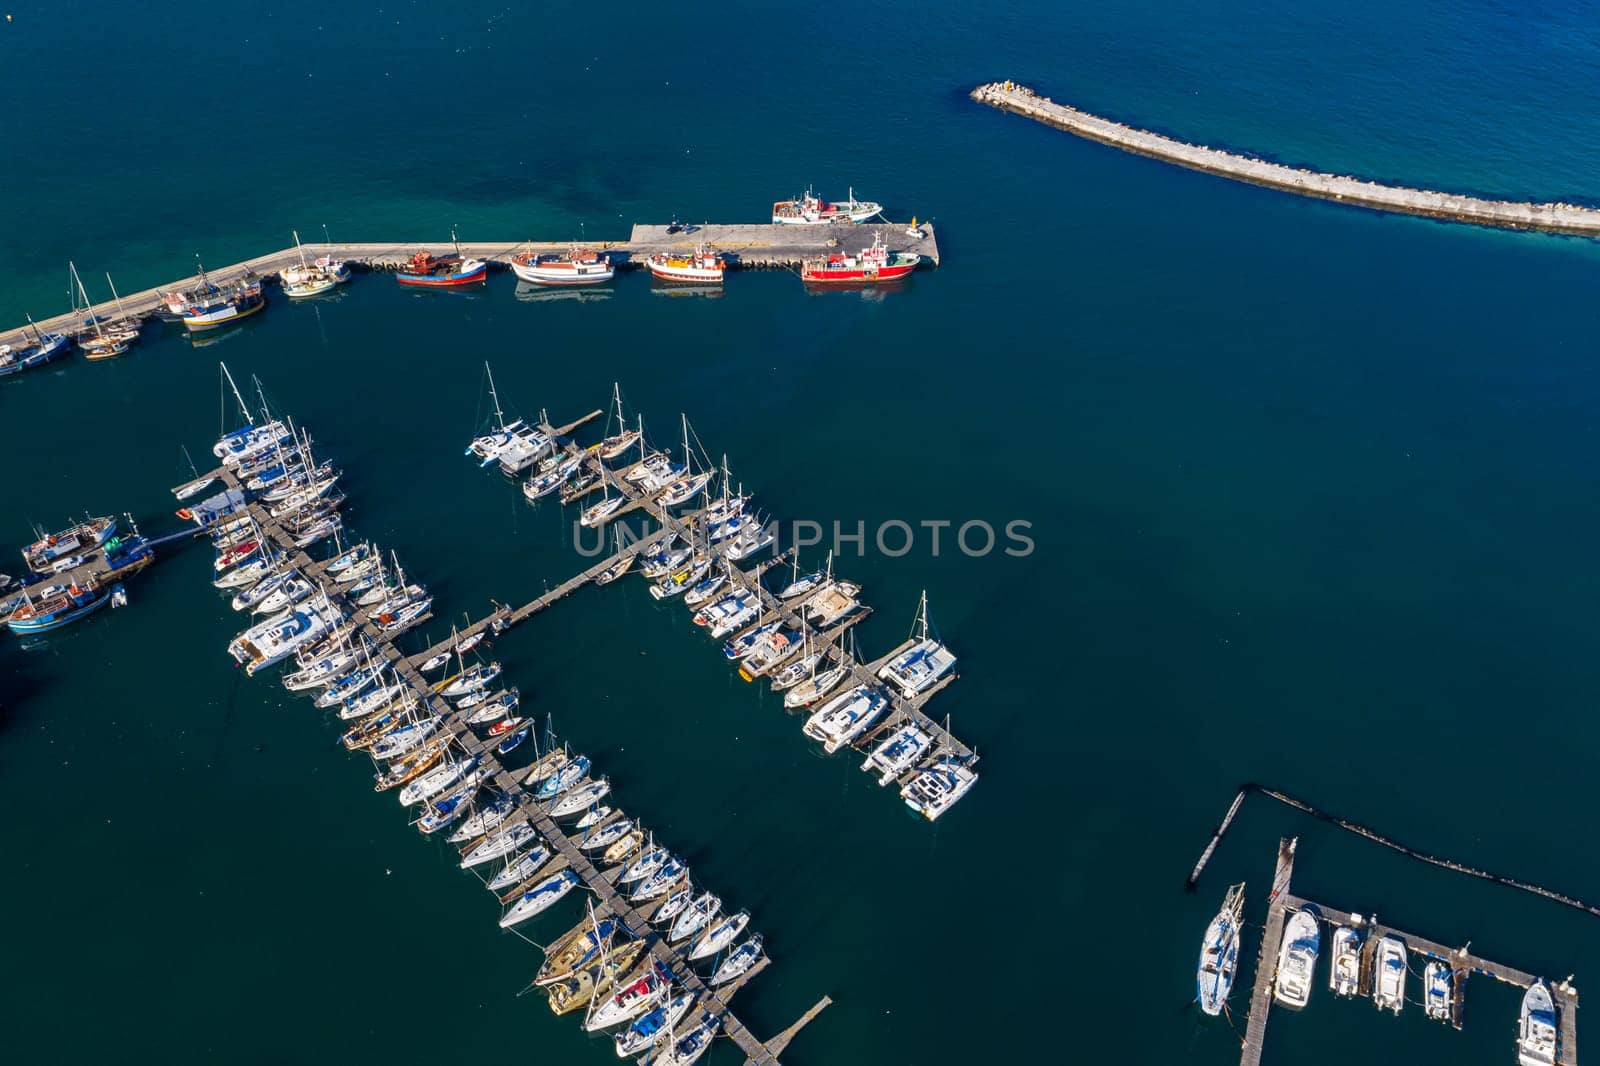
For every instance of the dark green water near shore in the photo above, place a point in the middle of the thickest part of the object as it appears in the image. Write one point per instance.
(1312, 493)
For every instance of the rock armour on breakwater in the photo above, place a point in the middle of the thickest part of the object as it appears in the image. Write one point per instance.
(1563, 218)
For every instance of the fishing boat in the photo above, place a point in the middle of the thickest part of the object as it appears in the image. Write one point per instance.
(270, 642)
(923, 664)
(1219, 953)
(898, 752)
(1536, 1029)
(575, 266)
(606, 835)
(688, 1048)
(520, 869)
(1389, 975)
(426, 270)
(595, 979)
(1297, 957)
(575, 949)
(695, 917)
(701, 267)
(539, 898)
(1436, 991)
(651, 1027)
(845, 717)
(873, 265)
(739, 962)
(43, 554)
(632, 998)
(59, 608)
(45, 347)
(1344, 962)
(581, 799)
(719, 936)
(936, 789)
(501, 840)
(231, 304)
(810, 210)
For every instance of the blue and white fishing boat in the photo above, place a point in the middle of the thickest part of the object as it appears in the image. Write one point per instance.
(1219, 953)
(225, 307)
(57, 607)
(539, 898)
(46, 346)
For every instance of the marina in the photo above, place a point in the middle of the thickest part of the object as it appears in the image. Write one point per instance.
(1456, 965)
(448, 763)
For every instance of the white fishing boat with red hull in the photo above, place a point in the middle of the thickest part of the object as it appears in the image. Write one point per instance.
(874, 264)
(812, 210)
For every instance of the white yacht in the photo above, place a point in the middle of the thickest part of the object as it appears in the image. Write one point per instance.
(936, 789)
(1389, 974)
(898, 752)
(270, 642)
(520, 869)
(632, 998)
(1297, 956)
(739, 962)
(687, 1049)
(829, 604)
(845, 717)
(1344, 963)
(526, 447)
(597, 515)
(434, 782)
(815, 687)
(581, 799)
(1436, 990)
(920, 666)
(1536, 1031)
(695, 917)
(719, 936)
(606, 835)
(1219, 954)
(539, 898)
(729, 613)
(645, 865)
(650, 1028)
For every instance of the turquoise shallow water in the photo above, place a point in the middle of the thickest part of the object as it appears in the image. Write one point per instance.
(1312, 492)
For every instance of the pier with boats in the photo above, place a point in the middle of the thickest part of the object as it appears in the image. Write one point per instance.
(1366, 958)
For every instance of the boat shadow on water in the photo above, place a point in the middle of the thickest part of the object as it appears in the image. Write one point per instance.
(226, 333)
(869, 291)
(678, 288)
(530, 293)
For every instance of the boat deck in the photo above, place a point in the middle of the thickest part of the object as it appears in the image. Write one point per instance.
(1462, 963)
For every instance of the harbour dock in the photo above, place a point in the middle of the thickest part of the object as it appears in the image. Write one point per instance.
(1561, 218)
(1462, 963)
(748, 247)
(536, 812)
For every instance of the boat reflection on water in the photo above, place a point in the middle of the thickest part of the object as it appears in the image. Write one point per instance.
(868, 291)
(223, 334)
(679, 288)
(528, 291)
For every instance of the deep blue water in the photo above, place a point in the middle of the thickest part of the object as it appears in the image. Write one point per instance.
(1312, 489)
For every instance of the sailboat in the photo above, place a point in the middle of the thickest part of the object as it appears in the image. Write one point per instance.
(125, 327)
(95, 342)
(819, 685)
(618, 443)
(487, 448)
(312, 279)
(898, 752)
(46, 346)
(845, 717)
(920, 666)
(1219, 953)
(739, 962)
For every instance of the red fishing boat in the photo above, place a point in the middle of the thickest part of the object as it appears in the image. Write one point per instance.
(442, 271)
(874, 264)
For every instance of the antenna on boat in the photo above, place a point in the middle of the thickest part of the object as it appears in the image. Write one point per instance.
(455, 240)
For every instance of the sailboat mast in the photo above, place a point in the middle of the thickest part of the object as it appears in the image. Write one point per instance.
(299, 249)
(244, 408)
(120, 309)
(498, 414)
(94, 319)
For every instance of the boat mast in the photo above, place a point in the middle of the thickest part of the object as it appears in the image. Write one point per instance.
(921, 622)
(120, 309)
(94, 319)
(299, 249)
(244, 408)
(498, 414)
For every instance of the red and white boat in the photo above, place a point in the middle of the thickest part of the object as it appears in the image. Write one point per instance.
(874, 264)
(703, 267)
(811, 210)
(442, 271)
(576, 266)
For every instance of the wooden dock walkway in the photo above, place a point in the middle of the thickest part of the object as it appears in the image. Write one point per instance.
(751, 247)
(1570, 219)
(1460, 960)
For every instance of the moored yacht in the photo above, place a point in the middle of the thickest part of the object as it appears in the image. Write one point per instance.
(650, 1028)
(845, 717)
(1389, 974)
(1436, 990)
(539, 898)
(719, 936)
(898, 752)
(920, 666)
(272, 641)
(1219, 953)
(739, 962)
(634, 997)
(688, 1048)
(936, 789)
(1344, 961)
(1536, 1029)
(1297, 956)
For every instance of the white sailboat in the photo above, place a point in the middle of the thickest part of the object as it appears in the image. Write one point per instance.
(1219, 953)
(920, 666)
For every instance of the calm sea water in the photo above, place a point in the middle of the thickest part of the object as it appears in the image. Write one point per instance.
(1312, 490)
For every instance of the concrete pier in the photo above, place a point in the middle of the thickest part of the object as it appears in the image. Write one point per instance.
(1571, 219)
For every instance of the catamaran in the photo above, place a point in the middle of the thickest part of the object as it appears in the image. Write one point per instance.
(1536, 1029)
(920, 666)
(526, 447)
(1344, 962)
(1297, 957)
(845, 717)
(1389, 980)
(274, 640)
(1219, 953)
(898, 752)
(936, 789)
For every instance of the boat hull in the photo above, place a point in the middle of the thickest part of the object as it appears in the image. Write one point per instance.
(444, 281)
(857, 275)
(224, 316)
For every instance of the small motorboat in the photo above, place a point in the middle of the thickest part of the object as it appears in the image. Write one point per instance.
(1297, 957)
(1436, 991)
(1536, 1029)
(1344, 963)
(1389, 974)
